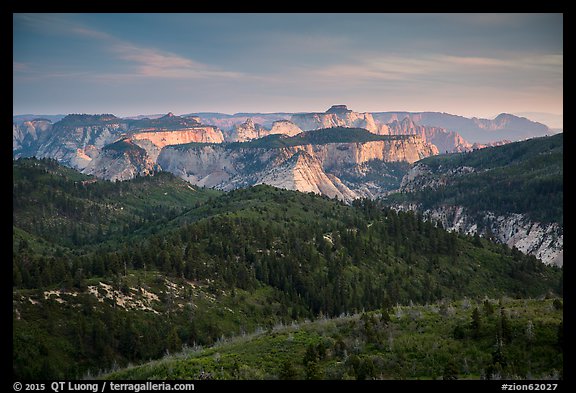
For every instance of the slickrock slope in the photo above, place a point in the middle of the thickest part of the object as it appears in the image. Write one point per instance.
(303, 172)
(122, 160)
(291, 163)
(249, 130)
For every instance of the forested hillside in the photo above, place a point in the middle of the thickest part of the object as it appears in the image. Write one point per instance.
(489, 339)
(523, 177)
(101, 268)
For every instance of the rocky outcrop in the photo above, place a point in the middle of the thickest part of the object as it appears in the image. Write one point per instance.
(249, 130)
(409, 149)
(303, 172)
(446, 141)
(544, 241)
(27, 135)
(75, 141)
(200, 134)
(122, 160)
(246, 131)
(341, 116)
(306, 167)
(227, 122)
(336, 116)
(81, 141)
(420, 177)
(473, 130)
(216, 166)
(285, 127)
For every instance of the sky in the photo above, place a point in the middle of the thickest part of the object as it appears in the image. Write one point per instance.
(129, 64)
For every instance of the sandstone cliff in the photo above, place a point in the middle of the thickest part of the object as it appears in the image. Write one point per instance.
(304, 167)
(249, 130)
(285, 127)
(75, 142)
(122, 160)
(200, 134)
(544, 241)
(446, 141)
(303, 172)
(246, 131)
(336, 116)
(27, 135)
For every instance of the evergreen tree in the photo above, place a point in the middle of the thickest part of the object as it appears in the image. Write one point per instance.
(450, 371)
(476, 323)
(288, 371)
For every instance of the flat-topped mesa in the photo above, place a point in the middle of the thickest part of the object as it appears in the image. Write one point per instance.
(336, 116)
(174, 130)
(198, 134)
(338, 109)
(167, 122)
(79, 120)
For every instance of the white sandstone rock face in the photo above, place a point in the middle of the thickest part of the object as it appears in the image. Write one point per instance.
(304, 173)
(206, 166)
(341, 116)
(29, 133)
(152, 150)
(305, 168)
(337, 116)
(285, 127)
(420, 176)
(544, 241)
(80, 141)
(336, 154)
(204, 134)
(444, 140)
(75, 146)
(249, 130)
(124, 164)
(246, 132)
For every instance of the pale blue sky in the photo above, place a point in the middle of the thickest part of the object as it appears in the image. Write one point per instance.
(128, 64)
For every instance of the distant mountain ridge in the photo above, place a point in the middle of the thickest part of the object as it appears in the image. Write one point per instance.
(474, 130)
(120, 149)
(90, 143)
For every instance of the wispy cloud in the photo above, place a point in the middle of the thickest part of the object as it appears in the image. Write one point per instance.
(20, 67)
(151, 62)
(399, 67)
(143, 62)
(91, 33)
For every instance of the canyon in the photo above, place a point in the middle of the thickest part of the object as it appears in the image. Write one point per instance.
(338, 153)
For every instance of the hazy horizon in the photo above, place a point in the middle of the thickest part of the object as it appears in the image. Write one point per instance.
(550, 119)
(472, 65)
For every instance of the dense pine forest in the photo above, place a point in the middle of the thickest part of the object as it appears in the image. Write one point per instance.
(109, 274)
(522, 177)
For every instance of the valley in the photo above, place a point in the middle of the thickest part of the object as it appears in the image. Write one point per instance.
(97, 264)
(227, 201)
(359, 155)
(331, 242)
